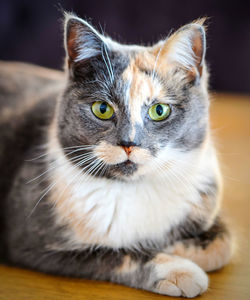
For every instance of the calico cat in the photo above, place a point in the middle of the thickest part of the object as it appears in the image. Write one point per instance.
(109, 171)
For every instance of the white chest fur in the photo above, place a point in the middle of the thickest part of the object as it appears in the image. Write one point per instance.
(121, 214)
(118, 214)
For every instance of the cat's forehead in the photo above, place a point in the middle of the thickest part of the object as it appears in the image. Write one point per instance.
(142, 84)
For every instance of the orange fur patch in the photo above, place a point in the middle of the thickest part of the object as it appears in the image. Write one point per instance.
(143, 89)
(127, 266)
(210, 204)
(110, 154)
(213, 257)
(162, 258)
(76, 221)
(61, 198)
(140, 155)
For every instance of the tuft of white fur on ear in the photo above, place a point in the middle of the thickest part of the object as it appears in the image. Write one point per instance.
(187, 46)
(82, 40)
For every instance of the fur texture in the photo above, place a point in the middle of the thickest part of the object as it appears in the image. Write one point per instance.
(126, 199)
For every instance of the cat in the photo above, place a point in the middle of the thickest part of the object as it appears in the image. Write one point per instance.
(109, 171)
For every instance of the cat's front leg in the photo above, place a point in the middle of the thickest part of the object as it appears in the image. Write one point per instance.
(160, 273)
(211, 250)
(164, 274)
(179, 270)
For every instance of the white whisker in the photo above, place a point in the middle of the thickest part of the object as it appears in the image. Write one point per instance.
(107, 66)
(156, 61)
(55, 164)
(77, 174)
(53, 184)
(59, 150)
(40, 199)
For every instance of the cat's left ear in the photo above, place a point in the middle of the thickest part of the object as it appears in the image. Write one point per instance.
(82, 41)
(185, 48)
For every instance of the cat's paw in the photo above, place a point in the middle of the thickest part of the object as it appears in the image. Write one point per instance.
(179, 277)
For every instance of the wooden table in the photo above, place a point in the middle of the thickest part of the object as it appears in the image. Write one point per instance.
(230, 119)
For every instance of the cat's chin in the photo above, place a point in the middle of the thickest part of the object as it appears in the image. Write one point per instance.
(126, 168)
(123, 171)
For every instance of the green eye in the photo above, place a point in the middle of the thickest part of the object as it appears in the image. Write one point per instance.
(102, 110)
(159, 111)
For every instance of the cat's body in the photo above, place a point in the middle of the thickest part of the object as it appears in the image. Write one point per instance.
(124, 199)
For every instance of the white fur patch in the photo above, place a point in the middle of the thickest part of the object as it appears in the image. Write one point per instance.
(180, 277)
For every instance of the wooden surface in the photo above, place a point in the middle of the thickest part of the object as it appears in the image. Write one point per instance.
(230, 118)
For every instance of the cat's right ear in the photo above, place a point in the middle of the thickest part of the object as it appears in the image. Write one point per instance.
(82, 41)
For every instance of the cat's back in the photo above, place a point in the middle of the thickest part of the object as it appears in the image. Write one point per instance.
(27, 100)
(28, 95)
(23, 85)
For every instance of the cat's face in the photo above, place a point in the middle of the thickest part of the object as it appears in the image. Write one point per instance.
(131, 111)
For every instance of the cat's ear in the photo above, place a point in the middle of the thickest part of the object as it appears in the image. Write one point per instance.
(186, 48)
(82, 41)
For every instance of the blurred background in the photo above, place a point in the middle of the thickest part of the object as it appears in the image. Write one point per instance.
(31, 31)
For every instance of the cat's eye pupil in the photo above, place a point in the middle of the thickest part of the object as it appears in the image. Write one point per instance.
(102, 110)
(103, 107)
(159, 110)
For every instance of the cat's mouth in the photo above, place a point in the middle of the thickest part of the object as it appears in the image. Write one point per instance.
(128, 162)
(126, 168)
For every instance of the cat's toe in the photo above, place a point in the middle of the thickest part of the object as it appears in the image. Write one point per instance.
(182, 284)
(185, 279)
(167, 287)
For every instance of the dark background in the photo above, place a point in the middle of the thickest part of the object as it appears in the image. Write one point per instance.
(31, 31)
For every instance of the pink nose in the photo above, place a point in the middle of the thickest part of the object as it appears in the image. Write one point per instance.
(128, 150)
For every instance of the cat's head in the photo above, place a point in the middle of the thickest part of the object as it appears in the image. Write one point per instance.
(132, 111)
